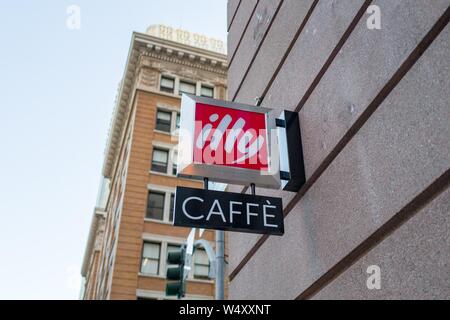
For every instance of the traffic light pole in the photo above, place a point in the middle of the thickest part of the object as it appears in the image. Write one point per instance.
(220, 257)
(220, 264)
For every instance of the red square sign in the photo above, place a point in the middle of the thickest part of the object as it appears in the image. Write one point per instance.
(226, 142)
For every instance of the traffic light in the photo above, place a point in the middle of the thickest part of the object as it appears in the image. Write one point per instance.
(178, 287)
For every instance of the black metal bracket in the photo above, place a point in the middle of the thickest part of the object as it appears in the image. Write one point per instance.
(294, 178)
(253, 189)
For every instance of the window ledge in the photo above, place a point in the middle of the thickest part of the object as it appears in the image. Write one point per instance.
(171, 176)
(158, 221)
(201, 280)
(171, 134)
(167, 94)
(145, 275)
(157, 276)
(162, 174)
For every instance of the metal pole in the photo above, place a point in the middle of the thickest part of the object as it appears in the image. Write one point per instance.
(252, 187)
(220, 257)
(220, 264)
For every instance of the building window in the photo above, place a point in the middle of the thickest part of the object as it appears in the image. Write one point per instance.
(187, 87)
(155, 205)
(171, 248)
(177, 123)
(150, 258)
(201, 264)
(174, 163)
(172, 206)
(163, 121)
(159, 160)
(167, 121)
(167, 84)
(207, 92)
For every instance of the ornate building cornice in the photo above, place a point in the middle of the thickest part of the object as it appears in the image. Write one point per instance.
(212, 66)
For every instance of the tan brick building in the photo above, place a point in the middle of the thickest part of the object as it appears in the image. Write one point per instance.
(131, 231)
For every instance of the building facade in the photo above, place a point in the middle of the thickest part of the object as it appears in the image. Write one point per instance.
(370, 82)
(131, 230)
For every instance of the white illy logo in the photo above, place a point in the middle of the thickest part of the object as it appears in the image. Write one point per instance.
(249, 144)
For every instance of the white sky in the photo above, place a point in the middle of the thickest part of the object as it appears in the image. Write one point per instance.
(57, 88)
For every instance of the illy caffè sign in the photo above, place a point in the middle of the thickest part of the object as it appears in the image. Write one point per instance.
(236, 144)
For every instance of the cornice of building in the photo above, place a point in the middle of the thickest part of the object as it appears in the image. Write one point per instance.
(172, 48)
(190, 62)
(158, 49)
(98, 215)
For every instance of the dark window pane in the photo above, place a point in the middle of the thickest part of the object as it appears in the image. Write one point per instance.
(159, 160)
(155, 206)
(186, 87)
(178, 121)
(150, 258)
(163, 121)
(174, 163)
(207, 92)
(172, 203)
(167, 84)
